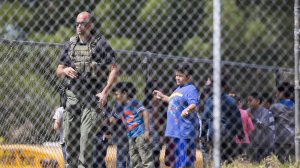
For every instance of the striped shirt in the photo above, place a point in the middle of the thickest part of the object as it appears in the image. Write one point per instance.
(130, 115)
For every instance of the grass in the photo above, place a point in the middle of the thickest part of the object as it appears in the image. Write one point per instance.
(269, 162)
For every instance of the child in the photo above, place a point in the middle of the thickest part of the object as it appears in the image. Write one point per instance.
(230, 126)
(156, 118)
(136, 119)
(248, 127)
(59, 127)
(267, 100)
(182, 121)
(262, 138)
(284, 94)
(120, 138)
(284, 115)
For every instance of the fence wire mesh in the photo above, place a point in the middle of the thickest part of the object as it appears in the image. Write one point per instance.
(150, 37)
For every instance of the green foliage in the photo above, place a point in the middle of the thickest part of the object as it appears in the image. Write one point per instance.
(232, 16)
(151, 9)
(104, 9)
(256, 33)
(207, 21)
(28, 91)
(108, 27)
(15, 14)
(177, 27)
(28, 83)
(170, 27)
(197, 48)
(121, 43)
(200, 44)
(62, 35)
(232, 24)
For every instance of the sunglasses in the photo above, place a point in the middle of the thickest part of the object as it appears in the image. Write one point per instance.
(81, 23)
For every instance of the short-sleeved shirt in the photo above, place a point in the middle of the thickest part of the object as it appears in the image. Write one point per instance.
(247, 127)
(58, 117)
(182, 127)
(130, 114)
(119, 133)
(102, 53)
(288, 103)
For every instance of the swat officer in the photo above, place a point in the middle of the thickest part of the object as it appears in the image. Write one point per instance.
(87, 63)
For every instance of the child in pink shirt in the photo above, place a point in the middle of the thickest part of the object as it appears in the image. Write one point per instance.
(247, 127)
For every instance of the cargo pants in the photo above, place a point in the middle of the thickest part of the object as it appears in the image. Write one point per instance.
(81, 124)
(141, 154)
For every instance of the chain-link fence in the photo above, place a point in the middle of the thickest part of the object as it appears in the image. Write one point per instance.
(150, 37)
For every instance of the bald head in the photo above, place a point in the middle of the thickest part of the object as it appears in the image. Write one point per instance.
(84, 24)
(84, 16)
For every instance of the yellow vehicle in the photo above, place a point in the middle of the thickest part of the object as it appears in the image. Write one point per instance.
(40, 156)
(29, 156)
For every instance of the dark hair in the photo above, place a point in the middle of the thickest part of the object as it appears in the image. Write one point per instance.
(255, 95)
(266, 96)
(126, 87)
(224, 81)
(286, 88)
(185, 68)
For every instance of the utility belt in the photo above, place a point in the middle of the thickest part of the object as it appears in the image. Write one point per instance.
(84, 81)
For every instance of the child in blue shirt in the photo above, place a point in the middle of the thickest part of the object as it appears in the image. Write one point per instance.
(120, 138)
(136, 119)
(284, 94)
(182, 121)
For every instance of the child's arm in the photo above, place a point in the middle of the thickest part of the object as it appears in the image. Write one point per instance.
(192, 101)
(56, 125)
(160, 96)
(146, 125)
(112, 120)
(58, 119)
(191, 108)
(115, 114)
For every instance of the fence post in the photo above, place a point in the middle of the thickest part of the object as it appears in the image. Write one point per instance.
(297, 87)
(145, 65)
(217, 81)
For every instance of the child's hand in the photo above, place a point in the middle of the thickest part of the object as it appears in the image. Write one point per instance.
(184, 113)
(146, 136)
(209, 81)
(157, 94)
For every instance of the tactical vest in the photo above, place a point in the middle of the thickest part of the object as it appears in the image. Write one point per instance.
(81, 56)
(92, 74)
